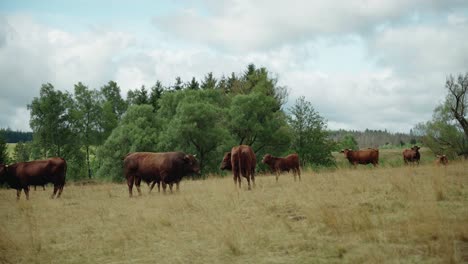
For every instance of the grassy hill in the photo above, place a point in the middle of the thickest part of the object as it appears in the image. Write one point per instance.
(364, 215)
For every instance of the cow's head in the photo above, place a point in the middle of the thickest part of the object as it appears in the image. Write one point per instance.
(415, 148)
(267, 159)
(345, 152)
(226, 163)
(442, 159)
(192, 163)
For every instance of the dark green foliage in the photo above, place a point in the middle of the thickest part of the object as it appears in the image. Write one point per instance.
(178, 85)
(193, 84)
(156, 93)
(11, 136)
(209, 82)
(138, 96)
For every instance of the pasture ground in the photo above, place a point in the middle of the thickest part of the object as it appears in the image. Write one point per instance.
(382, 215)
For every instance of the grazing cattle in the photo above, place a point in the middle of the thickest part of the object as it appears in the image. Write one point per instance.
(241, 160)
(363, 156)
(151, 167)
(278, 165)
(39, 172)
(441, 160)
(411, 155)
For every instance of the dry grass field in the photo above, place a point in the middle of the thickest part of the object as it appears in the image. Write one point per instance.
(383, 215)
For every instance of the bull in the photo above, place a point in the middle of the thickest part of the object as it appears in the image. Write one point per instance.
(156, 168)
(21, 175)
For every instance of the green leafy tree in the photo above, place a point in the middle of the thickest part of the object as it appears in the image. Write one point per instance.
(310, 137)
(138, 131)
(22, 152)
(113, 106)
(253, 121)
(50, 120)
(198, 128)
(86, 113)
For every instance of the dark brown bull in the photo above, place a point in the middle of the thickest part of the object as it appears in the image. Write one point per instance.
(363, 156)
(411, 156)
(278, 165)
(241, 160)
(162, 167)
(39, 172)
(441, 160)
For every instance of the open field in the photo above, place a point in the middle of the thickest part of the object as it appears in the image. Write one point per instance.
(383, 215)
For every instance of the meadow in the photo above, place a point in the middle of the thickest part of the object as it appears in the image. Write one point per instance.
(364, 215)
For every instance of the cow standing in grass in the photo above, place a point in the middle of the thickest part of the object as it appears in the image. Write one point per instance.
(411, 156)
(278, 165)
(242, 161)
(21, 175)
(363, 156)
(156, 168)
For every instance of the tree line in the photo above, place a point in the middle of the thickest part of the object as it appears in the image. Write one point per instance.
(93, 129)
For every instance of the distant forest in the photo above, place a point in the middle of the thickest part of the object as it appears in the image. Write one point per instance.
(11, 136)
(367, 138)
(376, 138)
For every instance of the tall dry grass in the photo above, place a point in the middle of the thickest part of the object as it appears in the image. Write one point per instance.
(383, 215)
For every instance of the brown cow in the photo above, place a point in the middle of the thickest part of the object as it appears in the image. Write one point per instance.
(411, 156)
(151, 167)
(441, 160)
(241, 160)
(278, 165)
(39, 172)
(363, 156)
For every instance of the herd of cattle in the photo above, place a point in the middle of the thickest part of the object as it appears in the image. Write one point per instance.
(168, 168)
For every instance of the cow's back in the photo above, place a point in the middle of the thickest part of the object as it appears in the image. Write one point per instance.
(40, 172)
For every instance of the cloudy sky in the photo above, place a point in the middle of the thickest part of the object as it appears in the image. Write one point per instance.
(377, 64)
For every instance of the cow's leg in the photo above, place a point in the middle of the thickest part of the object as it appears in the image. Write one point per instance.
(177, 186)
(137, 185)
(252, 177)
(248, 180)
(152, 186)
(43, 187)
(18, 194)
(159, 186)
(56, 187)
(299, 173)
(170, 186)
(130, 179)
(164, 186)
(277, 176)
(60, 191)
(34, 187)
(26, 191)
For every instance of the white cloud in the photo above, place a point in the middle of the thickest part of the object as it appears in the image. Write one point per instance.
(242, 25)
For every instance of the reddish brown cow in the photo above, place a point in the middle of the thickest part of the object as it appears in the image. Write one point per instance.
(363, 156)
(411, 156)
(241, 160)
(151, 167)
(278, 165)
(441, 160)
(39, 172)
